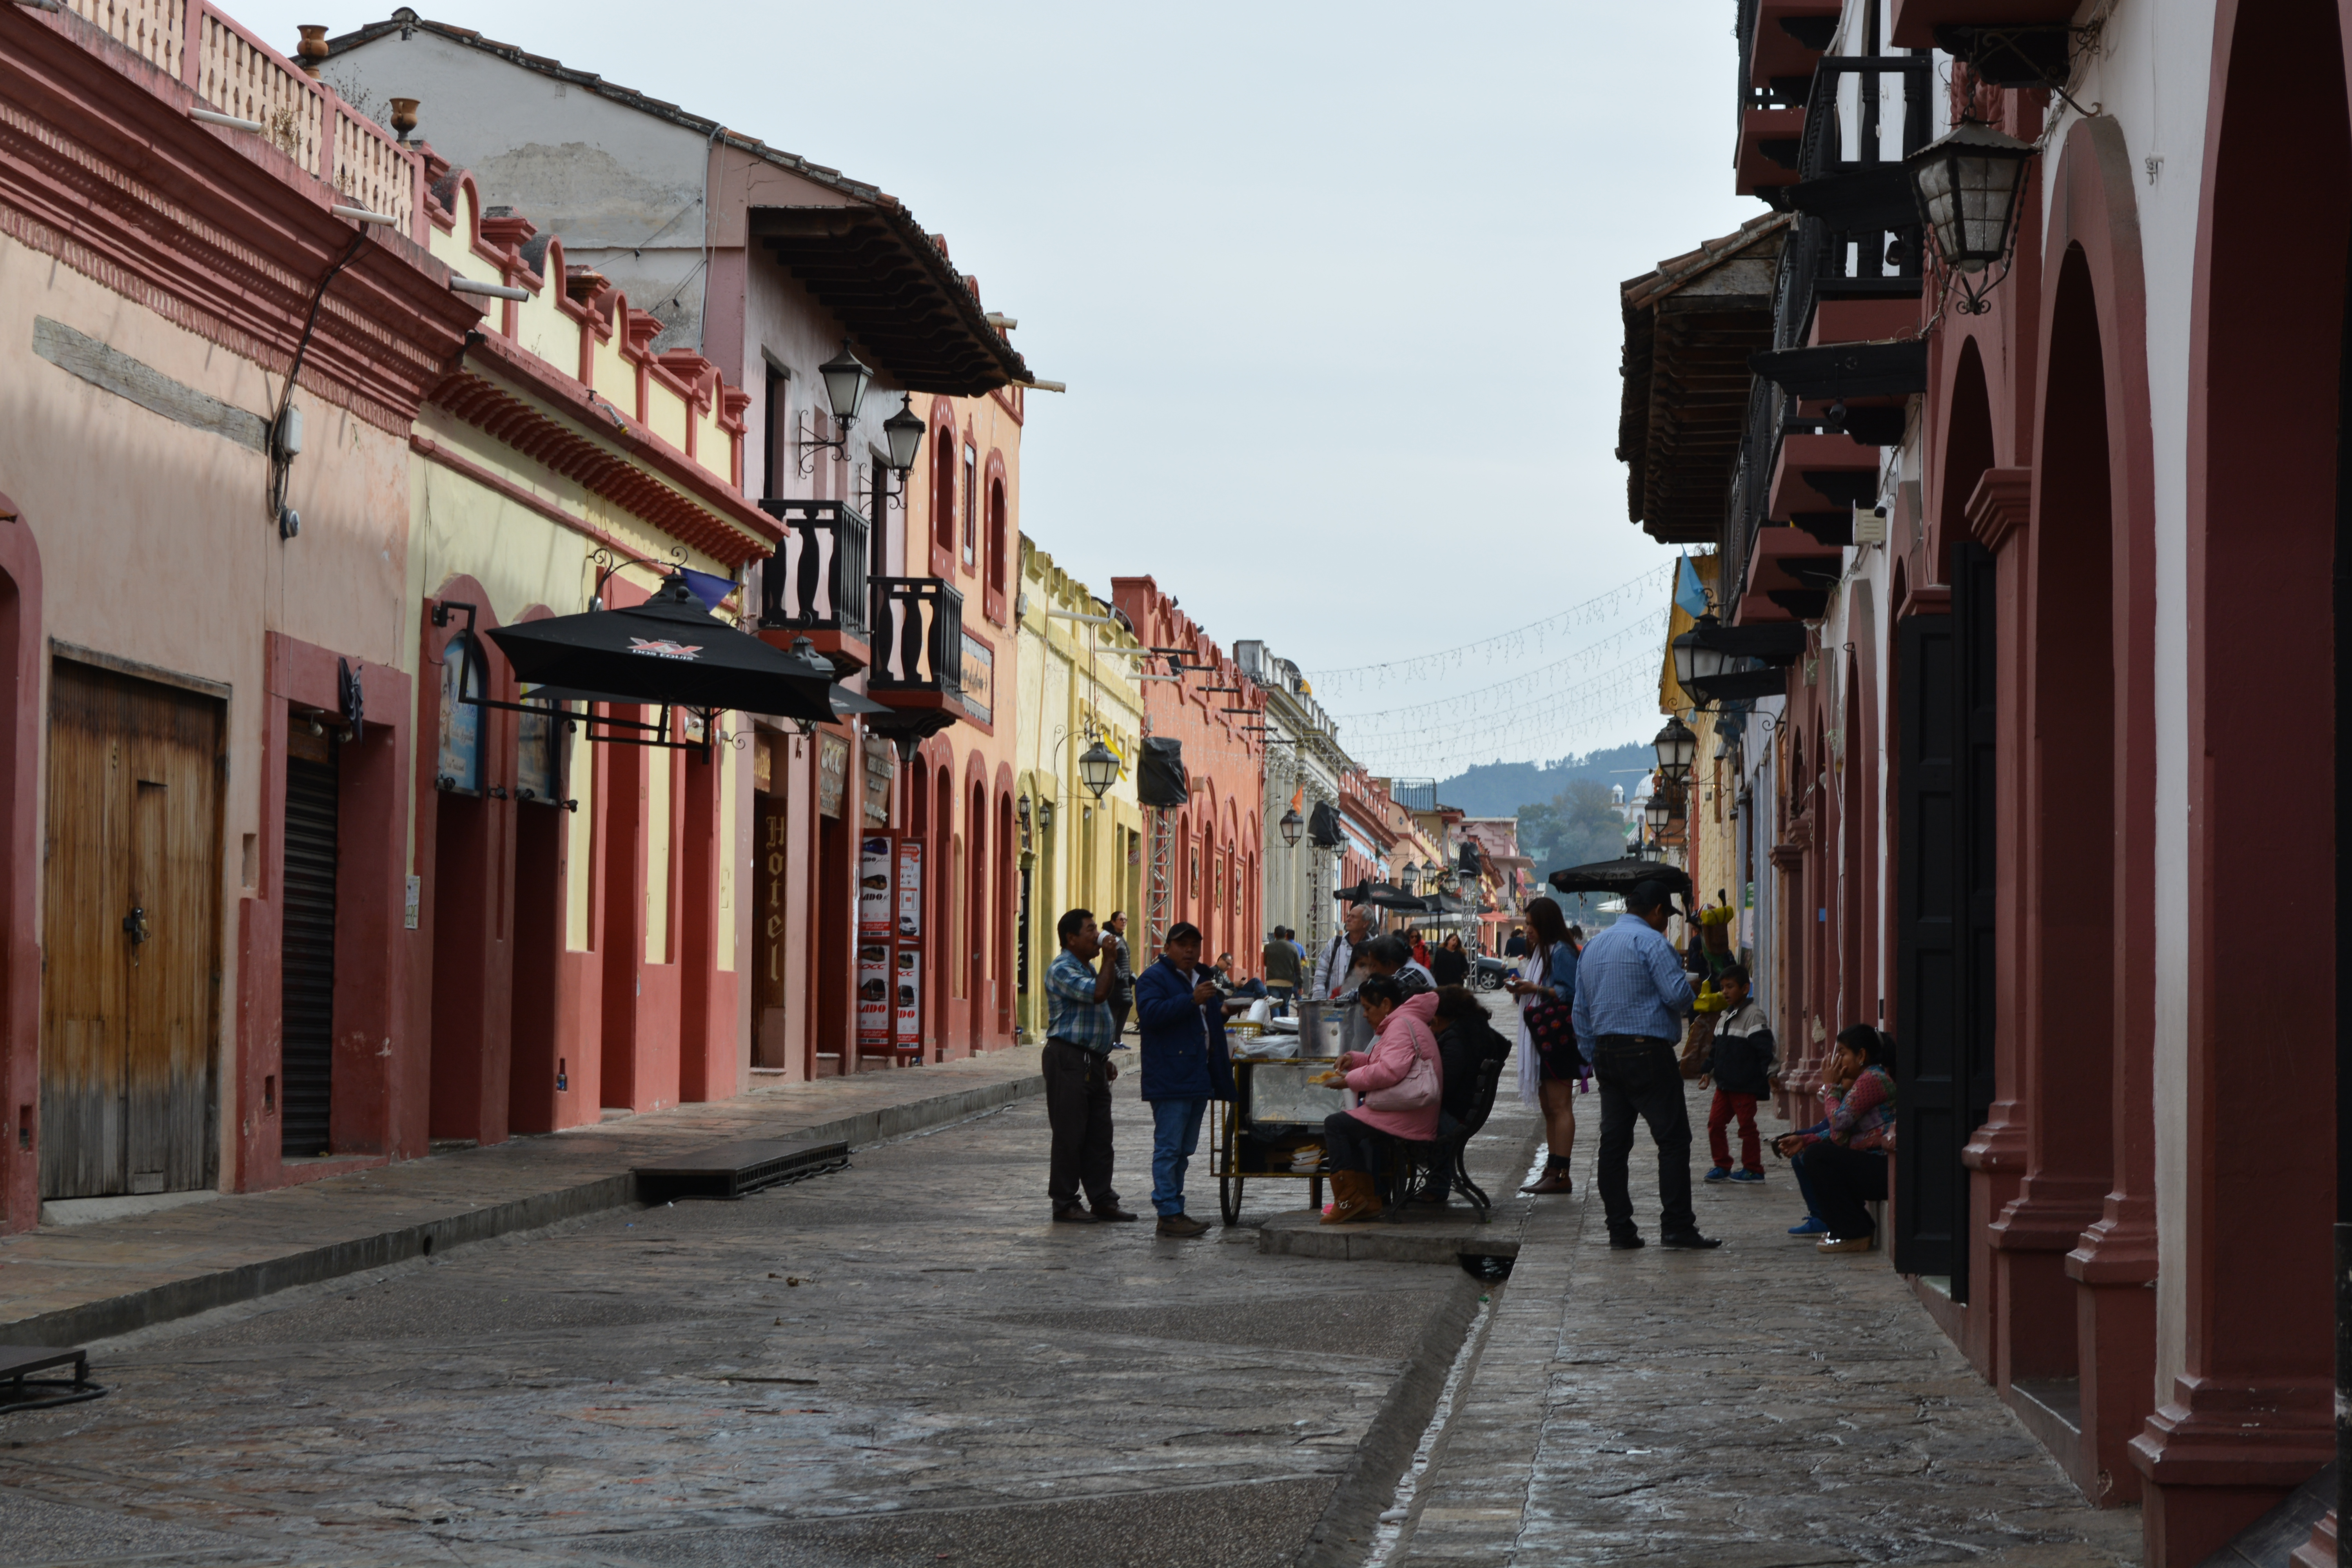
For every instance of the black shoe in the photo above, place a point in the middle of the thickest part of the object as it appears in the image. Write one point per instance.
(1690, 1241)
(1629, 1242)
(1106, 1212)
(1073, 1215)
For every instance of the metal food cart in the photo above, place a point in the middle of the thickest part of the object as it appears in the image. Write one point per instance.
(1276, 1112)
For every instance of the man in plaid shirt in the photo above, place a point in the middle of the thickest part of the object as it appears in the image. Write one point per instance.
(1079, 1038)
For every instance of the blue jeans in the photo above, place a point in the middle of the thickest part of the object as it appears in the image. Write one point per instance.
(1175, 1133)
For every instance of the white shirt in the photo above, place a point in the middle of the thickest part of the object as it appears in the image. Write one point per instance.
(1331, 969)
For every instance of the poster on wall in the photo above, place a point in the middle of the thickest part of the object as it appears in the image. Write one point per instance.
(831, 775)
(908, 1029)
(910, 889)
(874, 890)
(873, 1005)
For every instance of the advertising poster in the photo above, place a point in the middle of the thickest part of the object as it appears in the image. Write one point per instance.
(910, 889)
(874, 900)
(909, 1026)
(874, 1005)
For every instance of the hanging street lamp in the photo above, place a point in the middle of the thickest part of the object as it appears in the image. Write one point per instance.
(1696, 658)
(1409, 879)
(1677, 748)
(1098, 769)
(1292, 825)
(1966, 183)
(1656, 813)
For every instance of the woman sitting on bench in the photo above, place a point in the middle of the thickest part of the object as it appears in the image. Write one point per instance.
(1842, 1167)
(1400, 1079)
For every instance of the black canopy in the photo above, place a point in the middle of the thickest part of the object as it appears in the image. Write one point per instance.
(670, 650)
(1621, 877)
(1382, 896)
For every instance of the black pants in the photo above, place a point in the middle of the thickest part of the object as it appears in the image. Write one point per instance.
(1118, 1011)
(1840, 1181)
(1077, 1108)
(1639, 1077)
(1350, 1143)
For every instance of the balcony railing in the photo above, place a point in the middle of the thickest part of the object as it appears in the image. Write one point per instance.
(816, 581)
(917, 637)
(235, 73)
(1859, 237)
(1751, 484)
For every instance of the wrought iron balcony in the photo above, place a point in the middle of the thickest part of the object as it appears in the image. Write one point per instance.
(1859, 235)
(918, 639)
(817, 580)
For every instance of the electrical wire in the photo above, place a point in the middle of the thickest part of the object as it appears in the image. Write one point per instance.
(1502, 644)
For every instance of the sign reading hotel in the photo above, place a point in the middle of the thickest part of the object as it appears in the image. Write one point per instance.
(978, 680)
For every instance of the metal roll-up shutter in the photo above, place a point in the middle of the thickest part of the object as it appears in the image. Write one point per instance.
(306, 1030)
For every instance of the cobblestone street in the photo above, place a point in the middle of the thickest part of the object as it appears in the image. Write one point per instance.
(903, 1364)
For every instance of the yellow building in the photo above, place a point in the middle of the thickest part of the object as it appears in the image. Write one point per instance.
(1078, 670)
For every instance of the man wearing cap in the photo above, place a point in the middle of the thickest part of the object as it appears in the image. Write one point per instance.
(1631, 993)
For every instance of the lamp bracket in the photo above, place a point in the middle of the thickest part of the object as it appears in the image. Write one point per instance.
(808, 443)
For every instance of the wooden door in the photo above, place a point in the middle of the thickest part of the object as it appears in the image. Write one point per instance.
(130, 997)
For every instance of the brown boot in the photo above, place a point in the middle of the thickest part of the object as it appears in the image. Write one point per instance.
(1352, 1197)
(1555, 1179)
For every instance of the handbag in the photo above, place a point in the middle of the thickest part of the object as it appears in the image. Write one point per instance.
(1417, 1090)
(1552, 1023)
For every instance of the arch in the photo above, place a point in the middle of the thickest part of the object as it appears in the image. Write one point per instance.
(978, 934)
(1967, 452)
(1000, 567)
(1008, 909)
(2253, 1188)
(20, 836)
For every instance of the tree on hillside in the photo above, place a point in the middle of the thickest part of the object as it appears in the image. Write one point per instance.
(1577, 827)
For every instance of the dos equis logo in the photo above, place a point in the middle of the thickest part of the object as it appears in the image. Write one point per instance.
(662, 648)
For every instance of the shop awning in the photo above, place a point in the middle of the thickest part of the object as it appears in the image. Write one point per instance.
(668, 650)
(1621, 877)
(1382, 896)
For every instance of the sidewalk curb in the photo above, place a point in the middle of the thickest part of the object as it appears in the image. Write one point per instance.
(1368, 1485)
(197, 1293)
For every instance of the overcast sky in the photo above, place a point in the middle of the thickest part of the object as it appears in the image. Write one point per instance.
(1334, 288)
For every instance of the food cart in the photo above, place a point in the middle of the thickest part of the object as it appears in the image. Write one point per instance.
(1273, 1128)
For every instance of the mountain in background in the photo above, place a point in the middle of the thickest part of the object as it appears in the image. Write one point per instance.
(1500, 789)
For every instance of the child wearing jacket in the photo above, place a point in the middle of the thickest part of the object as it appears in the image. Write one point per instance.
(1742, 1063)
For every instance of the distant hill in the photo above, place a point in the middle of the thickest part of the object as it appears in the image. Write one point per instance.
(1499, 789)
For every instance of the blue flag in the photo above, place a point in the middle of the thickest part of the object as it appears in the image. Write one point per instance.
(1690, 596)
(710, 590)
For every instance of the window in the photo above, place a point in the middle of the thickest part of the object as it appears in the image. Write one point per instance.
(775, 438)
(970, 504)
(943, 488)
(997, 540)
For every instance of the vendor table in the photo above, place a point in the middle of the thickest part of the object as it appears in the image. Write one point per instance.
(1275, 1113)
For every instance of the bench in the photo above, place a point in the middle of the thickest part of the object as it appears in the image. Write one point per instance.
(1409, 1164)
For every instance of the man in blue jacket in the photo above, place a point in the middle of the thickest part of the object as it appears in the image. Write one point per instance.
(1181, 1014)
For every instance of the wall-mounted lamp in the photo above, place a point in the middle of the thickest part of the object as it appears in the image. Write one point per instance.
(903, 432)
(1966, 183)
(845, 380)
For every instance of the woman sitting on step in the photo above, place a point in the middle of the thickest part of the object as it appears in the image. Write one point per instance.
(1842, 1167)
(1400, 1079)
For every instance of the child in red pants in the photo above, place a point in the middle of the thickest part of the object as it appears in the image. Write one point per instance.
(1742, 1066)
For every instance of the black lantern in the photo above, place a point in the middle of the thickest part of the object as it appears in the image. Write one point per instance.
(1409, 878)
(1677, 748)
(1966, 183)
(844, 388)
(1292, 825)
(1098, 769)
(904, 431)
(1656, 812)
(1696, 658)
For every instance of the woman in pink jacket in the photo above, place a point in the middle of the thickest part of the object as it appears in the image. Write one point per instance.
(1352, 1139)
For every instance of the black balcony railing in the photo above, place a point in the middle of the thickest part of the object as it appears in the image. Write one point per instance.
(917, 637)
(1858, 236)
(1768, 409)
(817, 580)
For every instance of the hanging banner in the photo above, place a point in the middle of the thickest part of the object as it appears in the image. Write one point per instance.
(908, 1029)
(873, 1008)
(910, 889)
(881, 773)
(874, 901)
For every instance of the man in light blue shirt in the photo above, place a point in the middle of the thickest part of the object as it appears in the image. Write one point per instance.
(1631, 994)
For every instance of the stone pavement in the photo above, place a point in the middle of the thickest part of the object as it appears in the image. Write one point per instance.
(904, 1363)
(1757, 1406)
(62, 1285)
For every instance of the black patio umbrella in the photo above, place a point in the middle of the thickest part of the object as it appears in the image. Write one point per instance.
(1620, 877)
(1382, 896)
(671, 650)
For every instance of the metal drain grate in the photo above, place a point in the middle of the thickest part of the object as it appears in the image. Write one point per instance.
(733, 1170)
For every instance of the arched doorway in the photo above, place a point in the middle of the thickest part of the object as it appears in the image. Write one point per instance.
(979, 874)
(2249, 1372)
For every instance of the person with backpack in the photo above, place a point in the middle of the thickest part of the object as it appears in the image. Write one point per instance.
(1549, 1061)
(1336, 962)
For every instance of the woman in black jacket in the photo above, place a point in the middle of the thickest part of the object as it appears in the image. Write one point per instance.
(1449, 965)
(1466, 1041)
